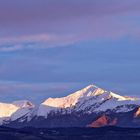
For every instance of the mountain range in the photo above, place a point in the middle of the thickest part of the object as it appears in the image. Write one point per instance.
(89, 107)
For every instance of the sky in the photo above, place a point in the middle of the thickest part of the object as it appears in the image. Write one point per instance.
(51, 48)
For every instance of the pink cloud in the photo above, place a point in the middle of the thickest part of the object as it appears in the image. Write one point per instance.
(56, 24)
(15, 43)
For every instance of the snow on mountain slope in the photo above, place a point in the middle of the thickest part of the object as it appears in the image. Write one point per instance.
(23, 114)
(15, 110)
(90, 99)
(26, 108)
(6, 110)
(72, 99)
(64, 102)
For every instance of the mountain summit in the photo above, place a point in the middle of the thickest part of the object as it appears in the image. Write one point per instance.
(90, 106)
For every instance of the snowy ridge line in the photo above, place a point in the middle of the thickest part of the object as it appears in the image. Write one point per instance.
(90, 99)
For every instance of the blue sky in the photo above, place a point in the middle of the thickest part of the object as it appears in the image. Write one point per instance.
(52, 48)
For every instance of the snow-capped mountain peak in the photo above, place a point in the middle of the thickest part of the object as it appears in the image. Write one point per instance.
(23, 103)
(6, 110)
(73, 98)
(68, 101)
(89, 100)
(83, 94)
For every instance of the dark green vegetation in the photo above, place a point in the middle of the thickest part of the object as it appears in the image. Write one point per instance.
(104, 133)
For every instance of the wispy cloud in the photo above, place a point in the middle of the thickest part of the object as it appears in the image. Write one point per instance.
(9, 44)
(51, 23)
(110, 30)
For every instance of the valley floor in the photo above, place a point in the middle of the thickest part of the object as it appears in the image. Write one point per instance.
(104, 133)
